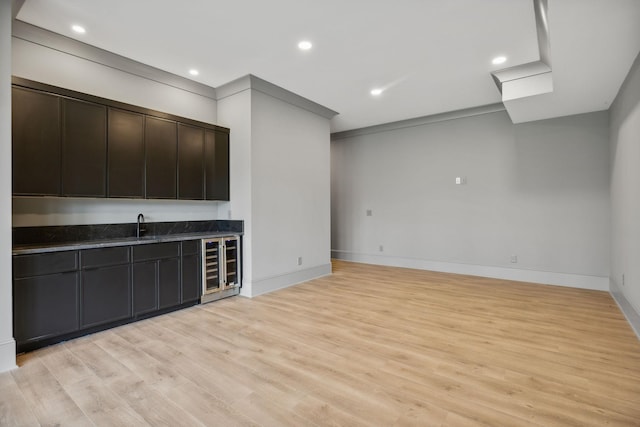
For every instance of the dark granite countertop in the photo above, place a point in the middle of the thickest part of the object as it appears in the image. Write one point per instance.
(34, 240)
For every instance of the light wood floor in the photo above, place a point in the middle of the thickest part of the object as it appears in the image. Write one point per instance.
(369, 345)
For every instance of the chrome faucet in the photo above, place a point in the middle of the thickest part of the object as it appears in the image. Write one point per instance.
(140, 229)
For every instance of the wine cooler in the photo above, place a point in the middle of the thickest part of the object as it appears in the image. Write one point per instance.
(220, 268)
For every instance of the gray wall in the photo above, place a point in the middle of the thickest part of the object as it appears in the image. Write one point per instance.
(625, 193)
(539, 191)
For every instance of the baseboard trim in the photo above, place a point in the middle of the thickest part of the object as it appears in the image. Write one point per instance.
(8, 355)
(520, 275)
(281, 281)
(629, 312)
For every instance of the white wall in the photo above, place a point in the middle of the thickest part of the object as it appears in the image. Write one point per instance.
(279, 182)
(234, 112)
(625, 192)
(7, 343)
(36, 211)
(36, 62)
(291, 193)
(537, 190)
(40, 63)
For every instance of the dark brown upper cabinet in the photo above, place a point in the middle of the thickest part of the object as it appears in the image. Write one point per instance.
(35, 142)
(216, 155)
(67, 143)
(84, 149)
(125, 172)
(190, 162)
(161, 144)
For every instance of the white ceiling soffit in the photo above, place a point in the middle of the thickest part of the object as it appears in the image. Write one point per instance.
(593, 45)
(429, 57)
(531, 79)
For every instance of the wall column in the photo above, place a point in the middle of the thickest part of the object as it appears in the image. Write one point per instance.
(7, 343)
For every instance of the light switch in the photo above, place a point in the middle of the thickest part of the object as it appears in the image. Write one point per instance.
(458, 180)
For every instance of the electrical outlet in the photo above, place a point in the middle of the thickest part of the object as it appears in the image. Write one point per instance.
(369, 212)
(299, 260)
(514, 259)
(381, 248)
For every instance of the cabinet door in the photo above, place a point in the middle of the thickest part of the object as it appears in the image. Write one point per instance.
(145, 294)
(45, 306)
(84, 149)
(125, 154)
(216, 155)
(106, 295)
(190, 162)
(35, 142)
(191, 285)
(169, 282)
(161, 142)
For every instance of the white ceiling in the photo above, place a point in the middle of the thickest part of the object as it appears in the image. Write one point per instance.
(430, 56)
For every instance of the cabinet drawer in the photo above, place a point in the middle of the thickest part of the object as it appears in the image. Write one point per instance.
(46, 263)
(191, 247)
(156, 251)
(101, 257)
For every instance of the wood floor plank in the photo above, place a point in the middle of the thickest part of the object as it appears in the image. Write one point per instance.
(47, 399)
(102, 405)
(14, 408)
(367, 345)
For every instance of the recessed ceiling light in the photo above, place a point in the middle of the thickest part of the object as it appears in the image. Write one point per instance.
(78, 29)
(305, 45)
(376, 92)
(194, 72)
(499, 60)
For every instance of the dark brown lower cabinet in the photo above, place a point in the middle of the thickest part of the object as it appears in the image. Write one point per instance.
(145, 291)
(168, 282)
(61, 295)
(191, 271)
(106, 295)
(45, 306)
(156, 277)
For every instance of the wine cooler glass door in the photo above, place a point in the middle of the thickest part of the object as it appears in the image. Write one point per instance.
(231, 264)
(212, 266)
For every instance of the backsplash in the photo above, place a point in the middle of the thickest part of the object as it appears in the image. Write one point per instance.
(80, 233)
(50, 211)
